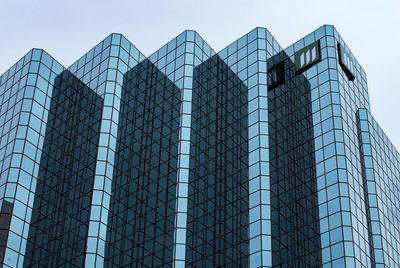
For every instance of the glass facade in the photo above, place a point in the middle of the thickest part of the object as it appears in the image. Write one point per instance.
(218, 188)
(26, 90)
(103, 69)
(141, 218)
(248, 57)
(60, 216)
(294, 199)
(255, 156)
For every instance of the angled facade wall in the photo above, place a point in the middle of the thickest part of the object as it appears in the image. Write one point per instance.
(60, 217)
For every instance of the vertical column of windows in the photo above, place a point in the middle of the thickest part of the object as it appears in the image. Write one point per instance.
(371, 199)
(184, 154)
(336, 227)
(176, 60)
(34, 87)
(383, 206)
(247, 57)
(103, 68)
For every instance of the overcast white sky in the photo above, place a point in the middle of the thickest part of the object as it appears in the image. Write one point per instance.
(68, 29)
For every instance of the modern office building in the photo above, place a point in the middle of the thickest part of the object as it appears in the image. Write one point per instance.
(254, 156)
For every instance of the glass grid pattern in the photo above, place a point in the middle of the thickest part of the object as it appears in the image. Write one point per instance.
(27, 86)
(60, 217)
(335, 227)
(102, 69)
(335, 100)
(354, 95)
(12, 85)
(247, 57)
(141, 219)
(347, 156)
(218, 189)
(294, 200)
(177, 60)
(374, 227)
(381, 173)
